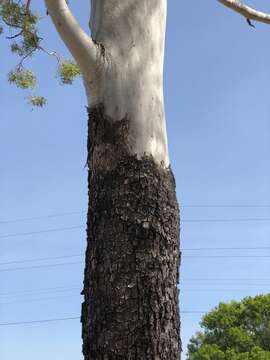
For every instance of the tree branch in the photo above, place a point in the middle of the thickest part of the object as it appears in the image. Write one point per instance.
(85, 52)
(246, 11)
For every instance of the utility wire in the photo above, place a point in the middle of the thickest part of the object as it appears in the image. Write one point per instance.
(58, 289)
(225, 206)
(182, 221)
(48, 298)
(38, 321)
(72, 318)
(187, 249)
(224, 220)
(183, 256)
(70, 213)
(49, 216)
(219, 290)
(40, 266)
(227, 248)
(83, 226)
(80, 262)
(40, 259)
(225, 279)
(39, 299)
(42, 231)
(225, 256)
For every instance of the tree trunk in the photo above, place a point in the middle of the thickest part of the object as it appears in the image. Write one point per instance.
(132, 261)
(130, 310)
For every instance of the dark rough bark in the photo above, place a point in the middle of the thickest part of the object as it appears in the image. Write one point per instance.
(131, 308)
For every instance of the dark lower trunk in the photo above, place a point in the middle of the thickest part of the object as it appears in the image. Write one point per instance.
(131, 308)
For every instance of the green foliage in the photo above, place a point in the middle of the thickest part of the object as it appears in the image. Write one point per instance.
(23, 78)
(22, 24)
(12, 13)
(29, 43)
(234, 331)
(17, 17)
(67, 72)
(38, 101)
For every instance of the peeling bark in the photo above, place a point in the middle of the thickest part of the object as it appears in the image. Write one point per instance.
(130, 309)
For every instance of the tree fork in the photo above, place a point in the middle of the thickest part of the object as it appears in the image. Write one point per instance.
(131, 306)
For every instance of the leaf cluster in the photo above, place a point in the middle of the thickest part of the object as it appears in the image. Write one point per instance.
(22, 78)
(19, 19)
(68, 71)
(22, 25)
(234, 331)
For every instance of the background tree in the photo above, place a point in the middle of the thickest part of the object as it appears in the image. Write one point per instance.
(234, 331)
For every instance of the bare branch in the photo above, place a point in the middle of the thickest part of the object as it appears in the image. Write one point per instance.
(25, 27)
(246, 11)
(26, 17)
(15, 36)
(51, 53)
(80, 44)
(29, 54)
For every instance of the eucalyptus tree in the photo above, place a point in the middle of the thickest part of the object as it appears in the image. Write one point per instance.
(130, 308)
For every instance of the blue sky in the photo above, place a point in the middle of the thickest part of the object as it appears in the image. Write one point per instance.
(217, 93)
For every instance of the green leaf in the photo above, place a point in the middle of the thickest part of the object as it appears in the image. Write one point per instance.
(37, 101)
(67, 72)
(22, 78)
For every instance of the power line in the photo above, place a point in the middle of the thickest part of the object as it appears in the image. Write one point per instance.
(40, 266)
(225, 206)
(193, 312)
(83, 226)
(76, 318)
(39, 299)
(219, 290)
(182, 221)
(80, 262)
(225, 256)
(185, 249)
(40, 259)
(42, 299)
(57, 289)
(225, 279)
(39, 321)
(11, 221)
(42, 231)
(224, 220)
(70, 213)
(227, 248)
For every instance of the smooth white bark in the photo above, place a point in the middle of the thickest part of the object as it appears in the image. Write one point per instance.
(246, 11)
(127, 54)
(80, 44)
(133, 34)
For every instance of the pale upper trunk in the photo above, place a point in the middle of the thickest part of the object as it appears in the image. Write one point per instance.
(123, 65)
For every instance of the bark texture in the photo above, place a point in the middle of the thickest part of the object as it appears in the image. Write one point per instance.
(130, 310)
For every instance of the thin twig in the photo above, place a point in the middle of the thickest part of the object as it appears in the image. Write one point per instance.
(15, 36)
(25, 25)
(51, 53)
(20, 65)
